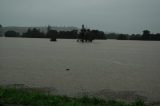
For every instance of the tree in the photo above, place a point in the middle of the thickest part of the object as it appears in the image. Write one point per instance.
(0, 30)
(52, 34)
(146, 35)
(68, 34)
(112, 35)
(87, 35)
(11, 34)
(34, 33)
(122, 37)
(82, 34)
(135, 37)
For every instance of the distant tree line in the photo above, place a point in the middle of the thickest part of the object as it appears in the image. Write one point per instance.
(12, 34)
(34, 33)
(84, 35)
(73, 34)
(145, 36)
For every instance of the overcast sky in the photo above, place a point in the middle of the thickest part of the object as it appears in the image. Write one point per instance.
(124, 16)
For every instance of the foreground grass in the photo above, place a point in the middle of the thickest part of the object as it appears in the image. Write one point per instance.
(33, 98)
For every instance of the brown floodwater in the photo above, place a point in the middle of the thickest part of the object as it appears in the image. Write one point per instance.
(112, 69)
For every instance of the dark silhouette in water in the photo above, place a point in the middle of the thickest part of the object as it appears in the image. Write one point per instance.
(67, 69)
(52, 34)
(85, 35)
(82, 34)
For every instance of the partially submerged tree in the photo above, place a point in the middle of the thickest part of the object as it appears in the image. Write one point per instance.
(146, 35)
(87, 35)
(52, 34)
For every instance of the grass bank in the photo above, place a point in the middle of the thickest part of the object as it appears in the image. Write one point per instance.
(33, 98)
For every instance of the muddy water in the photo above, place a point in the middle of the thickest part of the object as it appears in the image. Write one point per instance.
(110, 69)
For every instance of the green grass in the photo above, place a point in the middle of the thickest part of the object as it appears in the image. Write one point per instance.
(33, 98)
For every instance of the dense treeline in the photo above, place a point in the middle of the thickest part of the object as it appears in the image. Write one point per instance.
(73, 34)
(34, 33)
(12, 34)
(83, 35)
(68, 34)
(148, 36)
(145, 36)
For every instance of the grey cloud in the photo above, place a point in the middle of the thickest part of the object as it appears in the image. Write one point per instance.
(126, 16)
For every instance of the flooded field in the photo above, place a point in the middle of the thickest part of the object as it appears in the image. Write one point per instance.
(110, 69)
